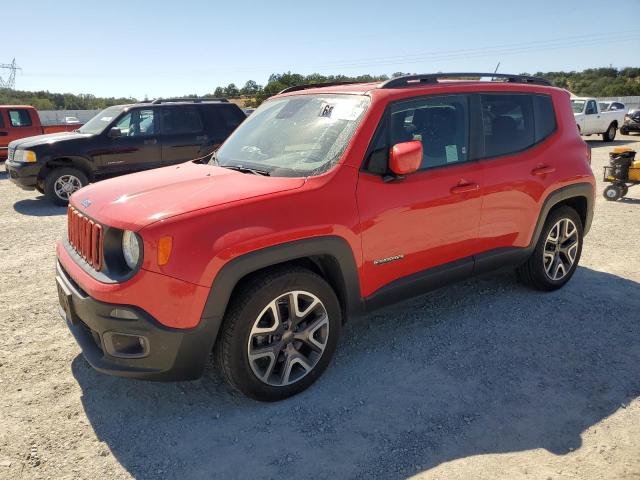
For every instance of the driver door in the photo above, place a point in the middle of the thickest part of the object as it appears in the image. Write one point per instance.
(137, 147)
(591, 118)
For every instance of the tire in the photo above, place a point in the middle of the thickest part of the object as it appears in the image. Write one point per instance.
(613, 192)
(555, 245)
(55, 185)
(610, 134)
(250, 325)
(624, 131)
(40, 187)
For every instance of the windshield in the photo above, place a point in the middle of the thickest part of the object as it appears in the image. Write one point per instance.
(577, 105)
(98, 123)
(295, 136)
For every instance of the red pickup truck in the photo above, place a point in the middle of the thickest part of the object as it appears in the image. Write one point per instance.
(20, 121)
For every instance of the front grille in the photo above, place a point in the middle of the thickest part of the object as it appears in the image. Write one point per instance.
(85, 236)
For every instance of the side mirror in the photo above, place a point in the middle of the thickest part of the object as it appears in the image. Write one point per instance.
(405, 157)
(114, 133)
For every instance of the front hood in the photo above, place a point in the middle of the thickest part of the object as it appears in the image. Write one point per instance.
(48, 139)
(134, 201)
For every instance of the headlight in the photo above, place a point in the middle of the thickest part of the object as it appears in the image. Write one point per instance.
(131, 249)
(24, 156)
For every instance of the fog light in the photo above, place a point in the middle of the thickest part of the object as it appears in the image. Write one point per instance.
(123, 313)
(125, 345)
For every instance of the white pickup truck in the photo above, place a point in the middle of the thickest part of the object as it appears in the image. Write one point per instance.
(591, 120)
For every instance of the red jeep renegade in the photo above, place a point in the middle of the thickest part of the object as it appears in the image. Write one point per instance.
(325, 203)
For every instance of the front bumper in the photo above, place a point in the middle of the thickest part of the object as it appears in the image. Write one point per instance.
(631, 126)
(24, 175)
(163, 353)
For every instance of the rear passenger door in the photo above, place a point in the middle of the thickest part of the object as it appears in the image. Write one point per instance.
(182, 133)
(518, 169)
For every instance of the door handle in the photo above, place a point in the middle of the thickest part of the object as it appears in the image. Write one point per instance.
(150, 141)
(543, 170)
(464, 188)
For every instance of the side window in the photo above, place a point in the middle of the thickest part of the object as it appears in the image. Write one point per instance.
(508, 125)
(544, 115)
(591, 108)
(377, 161)
(180, 120)
(1, 119)
(137, 123)
(224, 118)
(440, 123)
(20, 118)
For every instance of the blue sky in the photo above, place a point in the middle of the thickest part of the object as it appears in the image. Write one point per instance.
(164, 48)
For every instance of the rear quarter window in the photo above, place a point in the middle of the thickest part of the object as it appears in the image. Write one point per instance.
(224, 119)
(545, 117)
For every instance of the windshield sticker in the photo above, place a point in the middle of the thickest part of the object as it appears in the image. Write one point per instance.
(341, 111)
(326, 110)
(452, 153)
(106, 119)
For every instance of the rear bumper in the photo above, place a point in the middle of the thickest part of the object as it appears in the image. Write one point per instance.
(24, 175)
(150, 350)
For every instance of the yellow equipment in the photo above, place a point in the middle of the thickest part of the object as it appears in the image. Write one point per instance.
(623, 171)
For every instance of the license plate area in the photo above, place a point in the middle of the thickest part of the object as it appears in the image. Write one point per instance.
(66, 303)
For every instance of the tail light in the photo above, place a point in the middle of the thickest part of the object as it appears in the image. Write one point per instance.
(85, 237)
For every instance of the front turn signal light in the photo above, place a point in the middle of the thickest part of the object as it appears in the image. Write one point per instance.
(29, 156)
(164, 250)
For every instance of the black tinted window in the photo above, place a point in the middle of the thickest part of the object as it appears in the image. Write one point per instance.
(545, 117)
(180, 120)
(1, 120)
(508, 125)
(440, 123)
(223, 118)
(591, 108)
(19, 118)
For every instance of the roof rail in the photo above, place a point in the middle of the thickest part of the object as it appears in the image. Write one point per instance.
(194, 100)
(296, 88)
(409, 80)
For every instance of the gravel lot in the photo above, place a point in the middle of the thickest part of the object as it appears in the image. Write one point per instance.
(484, 379)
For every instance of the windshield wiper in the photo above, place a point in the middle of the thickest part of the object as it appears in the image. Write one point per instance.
(240, 168)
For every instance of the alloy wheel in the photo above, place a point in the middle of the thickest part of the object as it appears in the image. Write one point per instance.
(560, 249)
(288, 338)
(65, 185)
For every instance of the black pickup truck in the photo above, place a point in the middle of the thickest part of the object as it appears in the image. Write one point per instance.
(121, 139)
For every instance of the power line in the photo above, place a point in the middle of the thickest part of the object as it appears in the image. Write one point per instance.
(10, 82)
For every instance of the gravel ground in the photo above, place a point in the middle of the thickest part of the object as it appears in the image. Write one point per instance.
(483, 379)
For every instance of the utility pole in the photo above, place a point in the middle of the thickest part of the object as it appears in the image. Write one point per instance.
(10, 82)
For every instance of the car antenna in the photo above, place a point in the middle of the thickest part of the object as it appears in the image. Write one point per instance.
(495, 71)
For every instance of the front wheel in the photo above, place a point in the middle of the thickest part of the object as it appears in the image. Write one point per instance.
(557, 253)
(279, 334)
(610, 134)
(61, 183)
(624, 130)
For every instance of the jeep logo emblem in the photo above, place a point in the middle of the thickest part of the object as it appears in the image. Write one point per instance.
(86, 203)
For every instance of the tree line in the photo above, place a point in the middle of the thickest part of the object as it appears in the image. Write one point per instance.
(594, 82)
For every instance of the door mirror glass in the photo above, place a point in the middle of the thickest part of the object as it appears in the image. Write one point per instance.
(115, 132)
(405, 157)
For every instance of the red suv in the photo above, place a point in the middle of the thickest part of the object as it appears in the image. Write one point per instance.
(325, 203)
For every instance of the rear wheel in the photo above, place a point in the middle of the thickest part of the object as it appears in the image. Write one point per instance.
(557, 253)
(610, 134)
(613, 192)
(280, 334)
(61, 183)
